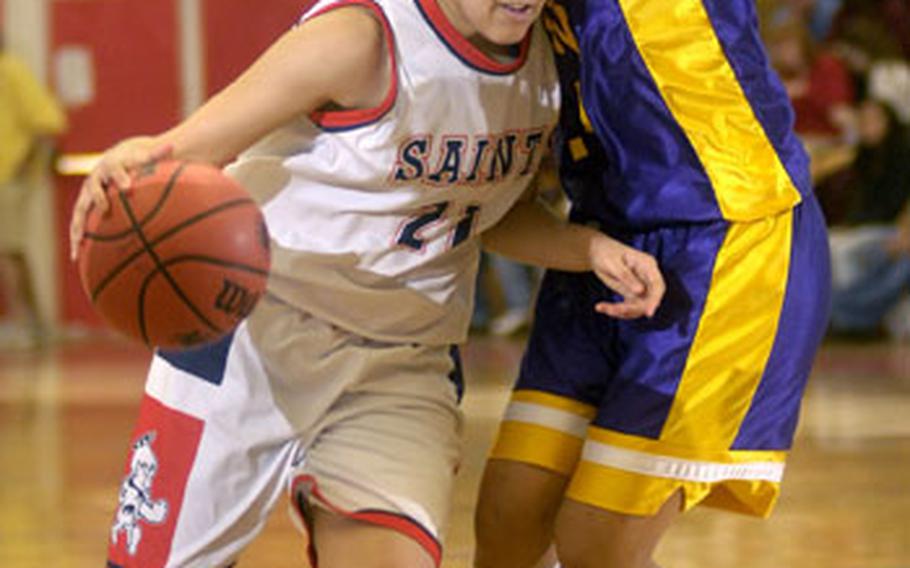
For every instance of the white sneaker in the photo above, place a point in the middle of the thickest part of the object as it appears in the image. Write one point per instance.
(510, 322)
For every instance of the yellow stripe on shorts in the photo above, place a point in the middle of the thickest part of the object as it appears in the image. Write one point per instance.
(543, 429)
(735, 335)
(701, 90)
(725, 366)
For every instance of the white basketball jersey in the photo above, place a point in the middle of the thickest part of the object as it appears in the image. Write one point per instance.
(375, 214)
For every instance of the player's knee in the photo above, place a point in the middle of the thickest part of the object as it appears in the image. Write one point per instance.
(500, 534)
(515, 515)
(402, 561)
(518, 490)
(602, 541)
(386, 558)
(343, 543)
(580, 551)
(496, 517)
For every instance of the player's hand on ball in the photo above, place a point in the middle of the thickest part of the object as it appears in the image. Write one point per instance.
(113, 170)
(180, 259)
(632, 274)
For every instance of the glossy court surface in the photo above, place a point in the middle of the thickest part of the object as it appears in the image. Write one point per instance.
(66, 414)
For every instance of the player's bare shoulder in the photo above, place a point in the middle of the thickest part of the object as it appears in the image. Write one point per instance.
(357, 43)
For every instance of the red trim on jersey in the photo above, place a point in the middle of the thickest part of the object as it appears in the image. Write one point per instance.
(307, 6)
(341, 119)
(394, 521)
(467, 50)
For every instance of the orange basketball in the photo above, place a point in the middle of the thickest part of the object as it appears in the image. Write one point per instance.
(179, 259)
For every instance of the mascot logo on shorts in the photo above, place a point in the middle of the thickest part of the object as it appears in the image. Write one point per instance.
(136, 502)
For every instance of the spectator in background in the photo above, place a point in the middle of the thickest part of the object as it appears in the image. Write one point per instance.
(871, 251)
(776, 12)
(29, 117)
(889, 81)
(822, 92)
(817, 81)
(821, 18)
(865, 32)
(878, 28)
(816, 15)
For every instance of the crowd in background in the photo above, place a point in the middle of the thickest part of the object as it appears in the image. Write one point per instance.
(845, 65)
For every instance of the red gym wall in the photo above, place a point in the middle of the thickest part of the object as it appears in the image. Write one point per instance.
(3, 304)
(133, 47)
(236, 31)
(135, 50)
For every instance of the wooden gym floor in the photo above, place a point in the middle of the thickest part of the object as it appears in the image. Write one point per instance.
(66, 414)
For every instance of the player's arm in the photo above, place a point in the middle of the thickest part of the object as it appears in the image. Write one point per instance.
(337, 59)
(531, 234)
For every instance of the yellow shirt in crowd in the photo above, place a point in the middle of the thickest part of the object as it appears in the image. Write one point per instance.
(27, 111)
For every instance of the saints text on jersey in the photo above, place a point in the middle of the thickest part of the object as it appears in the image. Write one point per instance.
(469, 160)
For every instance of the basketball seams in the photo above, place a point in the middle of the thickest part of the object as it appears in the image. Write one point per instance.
(180, 294)
(203, 235)
(203, 259)
(114, 272)
(214, 260)
(134, 225)
(159, 269)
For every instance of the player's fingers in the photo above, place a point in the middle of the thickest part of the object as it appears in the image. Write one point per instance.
(77, 222)
(630, 280)
(120, 176)
(622, 281)
(621, 310)
(129, 160)
(632, 306)
(91, 194)
(76, 229)
(94, 192)
(644, 266)
(655, 295)
(646, 270)
(621, 270)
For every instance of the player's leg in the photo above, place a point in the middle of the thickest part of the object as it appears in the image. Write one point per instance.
(515, 514)
(374, 486)
(591, 537)
(210, 456)
(540, 439)
(345, 542)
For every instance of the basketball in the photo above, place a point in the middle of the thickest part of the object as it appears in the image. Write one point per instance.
(179, 259)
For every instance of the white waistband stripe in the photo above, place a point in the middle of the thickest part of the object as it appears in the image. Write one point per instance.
(541, 415)
(677, 468)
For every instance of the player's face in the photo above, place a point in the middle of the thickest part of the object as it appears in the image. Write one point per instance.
(491, 23)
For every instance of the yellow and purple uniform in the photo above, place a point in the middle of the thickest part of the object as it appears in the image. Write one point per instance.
(677, 138)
